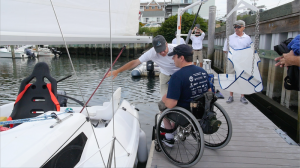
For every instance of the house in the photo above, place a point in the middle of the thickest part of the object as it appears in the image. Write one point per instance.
(152, 12)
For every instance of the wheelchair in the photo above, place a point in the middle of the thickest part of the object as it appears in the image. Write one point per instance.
(191, 130)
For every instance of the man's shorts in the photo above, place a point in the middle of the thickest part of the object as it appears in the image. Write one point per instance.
(197, 54)
(163, 80)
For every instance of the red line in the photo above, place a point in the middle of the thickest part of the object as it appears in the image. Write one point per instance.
(102, 79)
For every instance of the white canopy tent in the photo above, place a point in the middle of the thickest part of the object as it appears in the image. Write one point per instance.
(81, 21)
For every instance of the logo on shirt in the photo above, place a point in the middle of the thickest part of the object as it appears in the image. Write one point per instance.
(191, 78)
(194, 92)
(200, 90)
(199, 78)
(158, 44)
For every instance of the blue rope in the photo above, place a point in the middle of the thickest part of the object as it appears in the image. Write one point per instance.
(44, 117)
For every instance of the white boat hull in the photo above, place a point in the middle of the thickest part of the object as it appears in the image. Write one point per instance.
(141, 70)
(34, 144)
(4, 54)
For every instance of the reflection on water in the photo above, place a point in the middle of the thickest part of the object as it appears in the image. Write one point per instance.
(89, 70)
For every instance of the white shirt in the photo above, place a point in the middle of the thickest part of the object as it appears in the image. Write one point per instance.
(174, 41)
(166, 64)
(197, 41)
(237, 42)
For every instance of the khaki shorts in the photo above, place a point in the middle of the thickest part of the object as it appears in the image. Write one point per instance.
(197, 55)
(163, 80)
(230, 68)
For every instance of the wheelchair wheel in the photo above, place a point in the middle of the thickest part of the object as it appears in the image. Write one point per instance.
(222, 137)
(186, 150)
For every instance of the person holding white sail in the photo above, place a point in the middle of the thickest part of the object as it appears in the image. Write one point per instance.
(238, 40)
(158, 54)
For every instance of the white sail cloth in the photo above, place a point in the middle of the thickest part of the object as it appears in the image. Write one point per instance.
(81, 21)
(242, 82)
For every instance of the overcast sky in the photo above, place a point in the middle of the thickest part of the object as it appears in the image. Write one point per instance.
(221, 4)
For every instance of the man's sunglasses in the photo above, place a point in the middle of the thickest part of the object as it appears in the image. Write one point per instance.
(197, 32)
(238, 27)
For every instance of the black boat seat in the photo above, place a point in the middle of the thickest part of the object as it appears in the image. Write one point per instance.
(38, 97)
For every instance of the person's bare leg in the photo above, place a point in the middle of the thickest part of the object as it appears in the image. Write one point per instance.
(201, 64)
(231, 94)
(167, 124)
(195, 63)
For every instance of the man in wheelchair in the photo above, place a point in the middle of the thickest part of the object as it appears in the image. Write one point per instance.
(184, 86)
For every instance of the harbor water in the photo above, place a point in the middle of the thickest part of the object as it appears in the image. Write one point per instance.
(141, 92)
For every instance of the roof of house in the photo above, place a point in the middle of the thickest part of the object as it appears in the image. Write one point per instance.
(149, 3)
(152, 13)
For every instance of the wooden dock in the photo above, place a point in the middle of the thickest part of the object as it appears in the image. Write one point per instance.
(254, 142)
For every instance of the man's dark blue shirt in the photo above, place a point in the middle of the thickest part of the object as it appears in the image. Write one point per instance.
(186, 84)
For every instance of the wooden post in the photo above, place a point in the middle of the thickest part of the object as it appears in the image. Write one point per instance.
(298, 123)
(275, 76)
(264, 68)
(12, 50)
(230, 5)
(211, 33)
(37, 50)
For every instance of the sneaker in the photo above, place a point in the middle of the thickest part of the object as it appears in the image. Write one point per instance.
(230, 100)
(168, 142)
(244, 100)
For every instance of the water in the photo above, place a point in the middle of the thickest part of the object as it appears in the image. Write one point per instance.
(142, 92)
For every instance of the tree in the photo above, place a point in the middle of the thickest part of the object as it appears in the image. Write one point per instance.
(168, 27)
(242, 17)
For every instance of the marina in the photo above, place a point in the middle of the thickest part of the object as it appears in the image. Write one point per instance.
(263, 133)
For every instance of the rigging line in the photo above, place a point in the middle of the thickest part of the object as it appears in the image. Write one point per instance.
(102, 80)
(112, 85)
(76, 77)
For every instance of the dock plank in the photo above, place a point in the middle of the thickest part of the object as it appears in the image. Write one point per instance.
(254, 142)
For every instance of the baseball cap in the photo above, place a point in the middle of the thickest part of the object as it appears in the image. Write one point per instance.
(159, 43)
(182, 49)
(240, 23)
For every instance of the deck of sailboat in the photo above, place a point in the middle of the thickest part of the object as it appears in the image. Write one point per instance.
(254, 142)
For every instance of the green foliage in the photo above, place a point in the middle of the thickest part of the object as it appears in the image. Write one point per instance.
(149, 31)
(242, 17)
(168, 27)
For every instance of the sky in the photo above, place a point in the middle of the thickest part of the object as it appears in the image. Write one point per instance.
(222, 9)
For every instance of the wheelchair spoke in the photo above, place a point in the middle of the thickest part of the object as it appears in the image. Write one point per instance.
(220, 116)
(186, 152)
(224, 129)
(191, 144)
(179, 152)
(212, 138)
(220, 134)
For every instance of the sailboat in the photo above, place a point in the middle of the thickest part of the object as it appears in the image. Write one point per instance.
(107, 135)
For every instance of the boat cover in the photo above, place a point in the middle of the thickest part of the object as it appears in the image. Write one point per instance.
(242, 82)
